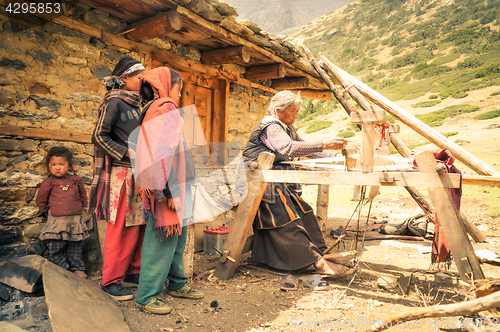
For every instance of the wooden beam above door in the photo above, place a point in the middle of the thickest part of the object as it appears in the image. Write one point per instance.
(238, 54)
(155, 26)
(290, 83)
(315, 94)
(273, 71)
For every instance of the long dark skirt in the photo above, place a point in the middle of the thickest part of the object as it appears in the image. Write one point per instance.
(293, 246)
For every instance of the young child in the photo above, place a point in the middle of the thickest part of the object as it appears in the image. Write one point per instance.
(62, 197)
(166, 210)
(113, 196)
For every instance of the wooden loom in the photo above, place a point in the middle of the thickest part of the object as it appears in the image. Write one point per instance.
(430, 176)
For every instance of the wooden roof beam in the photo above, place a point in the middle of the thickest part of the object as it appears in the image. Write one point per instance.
(155, 26)
(315, 94)
(222, 56)
(290, 83)
(220, 32)
(276, 70)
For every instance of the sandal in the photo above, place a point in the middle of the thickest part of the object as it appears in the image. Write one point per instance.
(290, 283)
(316, 283)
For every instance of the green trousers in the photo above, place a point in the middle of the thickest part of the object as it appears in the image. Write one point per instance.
(161, 260)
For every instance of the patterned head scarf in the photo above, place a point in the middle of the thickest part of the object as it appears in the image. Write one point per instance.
(110, 81)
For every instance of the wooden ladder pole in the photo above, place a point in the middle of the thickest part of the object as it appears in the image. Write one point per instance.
(243, 219)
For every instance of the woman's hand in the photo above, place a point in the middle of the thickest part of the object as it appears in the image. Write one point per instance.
(174, 203)
(334, 143)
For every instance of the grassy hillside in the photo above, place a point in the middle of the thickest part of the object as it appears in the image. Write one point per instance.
(405, 49)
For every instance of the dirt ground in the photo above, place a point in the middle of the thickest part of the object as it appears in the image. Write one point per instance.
(253, 301)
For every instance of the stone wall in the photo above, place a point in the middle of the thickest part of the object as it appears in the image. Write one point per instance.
(50, 79)
(247, 106)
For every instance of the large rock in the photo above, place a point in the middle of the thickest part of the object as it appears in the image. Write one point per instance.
(223, 8)
(77, 304)
(12, 251)
(205, 10)
(23, 273)
(101, 71)
(13, 214)
(14, 144)
(16, 64)
(15, 178)
(8, 235)
(46, 103)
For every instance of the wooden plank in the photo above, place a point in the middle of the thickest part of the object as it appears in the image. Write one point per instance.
(314, 94)
(480, 180)
(358, 178)
(369, 135)
(290, 83)
(375, 117)
(322, 206)
(243, 220)
(423, 129)
(238, 54)
(45, 134)
(155, 26)
(448, 218)
(256, 73)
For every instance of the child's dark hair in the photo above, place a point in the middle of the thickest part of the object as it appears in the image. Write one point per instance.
(59, 151)
(146, 90)
(122, 65)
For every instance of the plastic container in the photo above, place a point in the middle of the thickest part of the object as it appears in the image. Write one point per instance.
(214, 239)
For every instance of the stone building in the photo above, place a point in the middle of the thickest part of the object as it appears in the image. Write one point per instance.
(50, 87)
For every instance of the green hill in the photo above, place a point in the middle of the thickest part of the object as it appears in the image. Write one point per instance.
(406, 49)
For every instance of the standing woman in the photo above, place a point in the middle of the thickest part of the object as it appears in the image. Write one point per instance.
(112, 195)
(165, 192)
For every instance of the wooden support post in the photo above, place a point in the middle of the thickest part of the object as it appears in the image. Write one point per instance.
(290, 83)
(476, 234)
(322, 206)
(243, 220)
(369, 133)
(449, 220)
(189, 251)
(238, 54)
(155, 26)
(276, 70)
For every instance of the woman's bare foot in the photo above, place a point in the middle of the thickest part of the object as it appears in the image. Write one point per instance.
(323, 266)
(80, 274)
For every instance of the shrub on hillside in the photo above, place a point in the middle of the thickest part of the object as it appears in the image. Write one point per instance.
(488, 115)
(470, 63)
(346, 134)
(317, 125)
(488, 71)
(435, 119)
(428, 103)
(460, 95)
(451, 133)
(433, 96)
